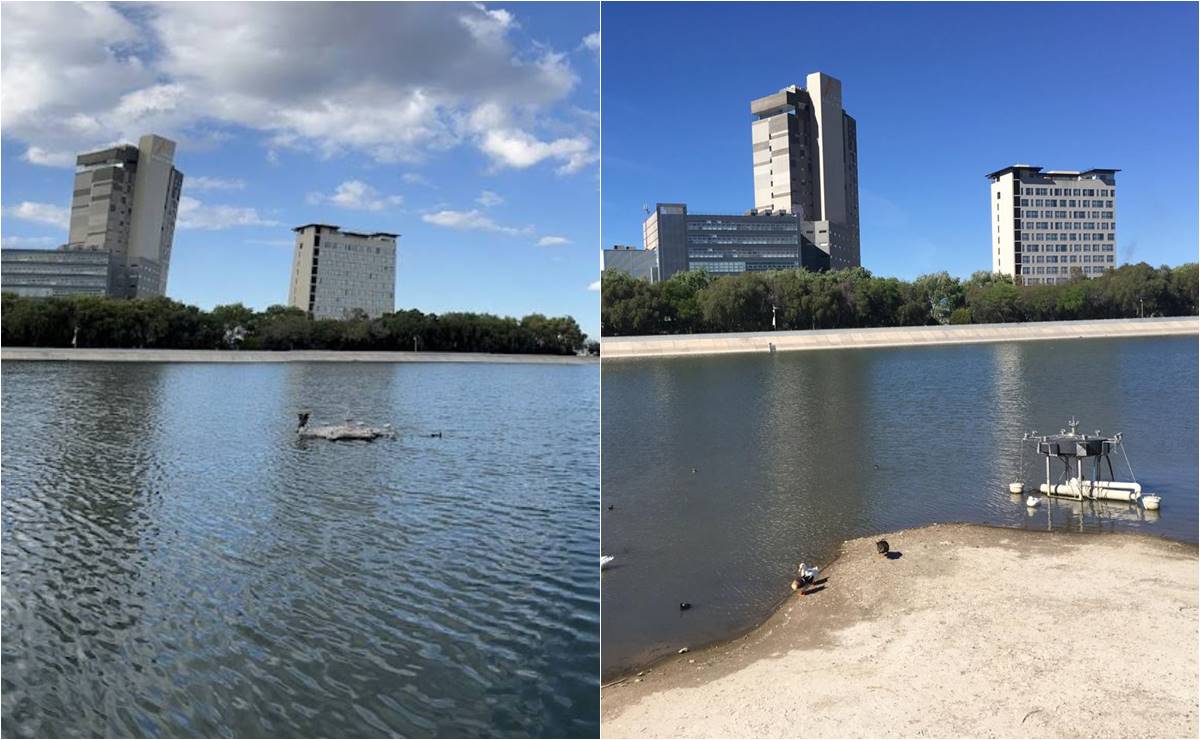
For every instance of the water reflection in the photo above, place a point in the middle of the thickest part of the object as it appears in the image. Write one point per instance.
(796, 452)
(177, 563)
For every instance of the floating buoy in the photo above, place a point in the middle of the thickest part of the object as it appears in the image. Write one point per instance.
(1016, 488)
(1032, 502)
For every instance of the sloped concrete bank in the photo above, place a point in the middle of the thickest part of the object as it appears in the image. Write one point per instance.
(786, 341)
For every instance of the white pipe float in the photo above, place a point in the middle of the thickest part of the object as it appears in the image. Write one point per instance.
(1074, 490)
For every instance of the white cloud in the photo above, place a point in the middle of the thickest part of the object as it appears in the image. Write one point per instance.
(553, 241)
(395, 81)
(487, 199)
(38, 155)
(594, 286)
(471, 221)
(356, 195)
(415, 178)
(591, 42)
(213, 183)
(273, 242)
(513, 147)
(194, 214)
(30, 242)
(42, 213)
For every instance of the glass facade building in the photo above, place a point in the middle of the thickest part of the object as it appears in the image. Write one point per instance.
(48, 272)
(727, 244)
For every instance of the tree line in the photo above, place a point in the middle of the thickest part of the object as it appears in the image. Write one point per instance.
(691, 302)
(161, 323)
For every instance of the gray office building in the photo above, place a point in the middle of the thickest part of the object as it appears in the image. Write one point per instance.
(638, 263)
(41, 273)
(805, 156)
(125, 201)
(725, 244)
(337, 273)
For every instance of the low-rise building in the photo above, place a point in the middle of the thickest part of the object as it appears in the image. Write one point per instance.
(1047, 225)
(636, 262)
(55, 272)
(728, 244)
(337, 273)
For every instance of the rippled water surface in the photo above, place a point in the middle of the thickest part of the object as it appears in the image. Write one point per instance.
(176, 562)
(796, 452)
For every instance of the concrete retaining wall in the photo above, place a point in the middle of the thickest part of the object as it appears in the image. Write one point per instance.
(10, 354)
(785, 341)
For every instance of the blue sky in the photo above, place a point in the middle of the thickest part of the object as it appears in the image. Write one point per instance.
(942, 93)
(471, 130)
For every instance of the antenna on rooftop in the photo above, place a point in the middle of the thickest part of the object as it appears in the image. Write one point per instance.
(646, 209)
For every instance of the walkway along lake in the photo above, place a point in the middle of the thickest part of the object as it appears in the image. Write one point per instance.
(793, 453)
(177, 563)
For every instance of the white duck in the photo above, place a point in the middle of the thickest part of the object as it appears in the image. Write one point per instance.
(605, 560)
(806, 574)
(1032, 502)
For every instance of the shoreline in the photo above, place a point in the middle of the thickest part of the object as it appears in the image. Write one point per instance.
(911, 336)
(959, 594)
(66, 354)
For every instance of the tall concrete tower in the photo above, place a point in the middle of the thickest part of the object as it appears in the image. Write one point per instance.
(125, 202)
(805, 149)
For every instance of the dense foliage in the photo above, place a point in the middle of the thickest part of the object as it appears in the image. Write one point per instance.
(698, 302)
(160, 323)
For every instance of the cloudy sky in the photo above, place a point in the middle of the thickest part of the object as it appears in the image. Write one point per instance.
(470, 129)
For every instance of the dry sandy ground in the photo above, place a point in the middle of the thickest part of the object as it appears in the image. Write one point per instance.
(971, 632)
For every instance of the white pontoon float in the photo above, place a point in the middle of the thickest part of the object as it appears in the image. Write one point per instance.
(1084, 457)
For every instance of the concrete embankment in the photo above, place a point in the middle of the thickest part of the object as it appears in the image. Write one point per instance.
(784, 341)
(967, 631)
(10, 354)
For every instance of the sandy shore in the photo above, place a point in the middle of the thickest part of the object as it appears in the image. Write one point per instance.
(9, 354)
(789, 341)
(971, 632)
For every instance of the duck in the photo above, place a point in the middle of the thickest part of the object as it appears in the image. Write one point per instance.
(882, 547)
(684, 606)
(807, 573)
(605, 560)
(1032, 502)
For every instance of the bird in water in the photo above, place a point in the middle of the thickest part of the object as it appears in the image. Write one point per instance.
(436, 435)
(1032, 502)
(882, 547)
(684, 606)
(693, 471)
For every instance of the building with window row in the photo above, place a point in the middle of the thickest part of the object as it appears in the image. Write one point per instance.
(1048, 225)
(124, 202)
(337, 273)
(724, 244)
(38, 273)
(636, 262)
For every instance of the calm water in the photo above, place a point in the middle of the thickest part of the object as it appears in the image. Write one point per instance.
(796, 452)
(176, 562)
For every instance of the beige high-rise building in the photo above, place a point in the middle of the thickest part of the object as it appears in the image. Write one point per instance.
(1048, 225)
(805, 149)
(125, 201)
(335, 273)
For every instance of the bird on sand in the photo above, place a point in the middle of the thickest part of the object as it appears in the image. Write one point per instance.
(882, 547)
(605, 560)
(611, 507)
(806, 574)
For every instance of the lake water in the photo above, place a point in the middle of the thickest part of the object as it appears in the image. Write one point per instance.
(177, 563)
(793, 453)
